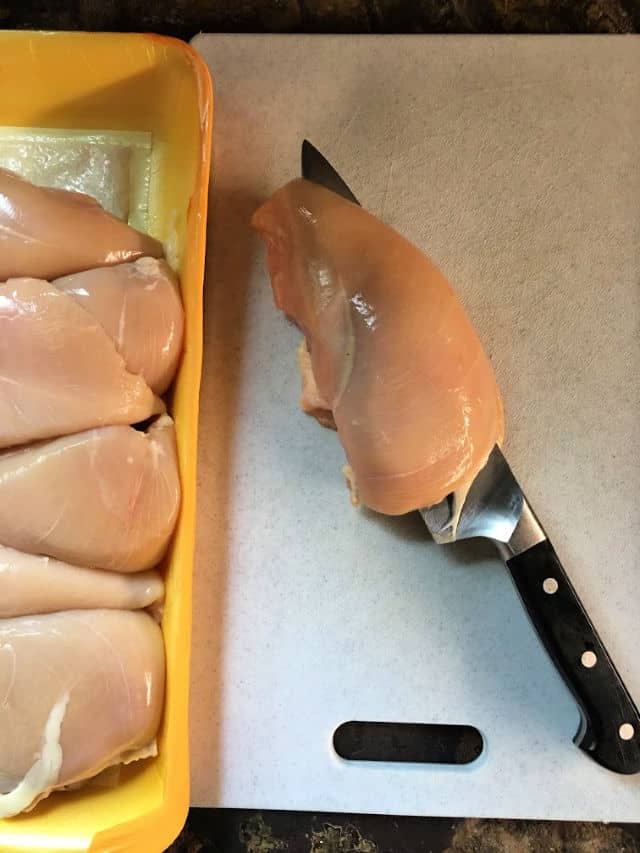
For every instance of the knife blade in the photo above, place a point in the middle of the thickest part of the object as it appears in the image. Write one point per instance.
(496, 508)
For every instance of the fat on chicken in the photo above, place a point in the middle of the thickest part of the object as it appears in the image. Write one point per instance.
(396, 362)
(47, 233)
(106, 498)
(32, 584)
(59, 370)
(79, 691)
(138, 304)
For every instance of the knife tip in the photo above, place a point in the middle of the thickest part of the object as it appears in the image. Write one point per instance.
(306, 152)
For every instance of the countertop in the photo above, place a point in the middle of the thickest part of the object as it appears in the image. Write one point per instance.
(210, 831)
(185, 18)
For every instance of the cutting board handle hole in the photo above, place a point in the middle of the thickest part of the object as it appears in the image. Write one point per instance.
(411, 743)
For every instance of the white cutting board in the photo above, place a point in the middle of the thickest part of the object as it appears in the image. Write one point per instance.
(514, 163)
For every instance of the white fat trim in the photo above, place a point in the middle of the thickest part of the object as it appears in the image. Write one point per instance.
(43, 774)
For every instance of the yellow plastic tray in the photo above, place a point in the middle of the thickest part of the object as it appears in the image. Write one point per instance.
(132, 82)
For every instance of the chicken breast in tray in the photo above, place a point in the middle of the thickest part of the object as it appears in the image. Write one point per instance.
(91, 334)
(138, 304)
(59, 370)
(395, 361)
(47, 233)
(79, 691)
(106, 498)
(31, 584)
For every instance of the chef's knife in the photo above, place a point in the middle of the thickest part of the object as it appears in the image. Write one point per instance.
(495, 508)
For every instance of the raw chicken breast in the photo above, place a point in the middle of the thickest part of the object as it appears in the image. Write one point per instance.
(394, 356)
(31, 584)
(107, 498)
(81, 691)
(46, 233)
(59, 370)
(139, 307)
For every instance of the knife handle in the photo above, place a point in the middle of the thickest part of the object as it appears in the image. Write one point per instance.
(610, 730)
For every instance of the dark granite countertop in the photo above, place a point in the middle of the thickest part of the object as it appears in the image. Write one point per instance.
(231, 831)
(234, 831)
(185, 18)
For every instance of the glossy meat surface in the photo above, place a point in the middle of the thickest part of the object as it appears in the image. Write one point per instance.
(59, 370)
(79, 691)
(138, 305)
(106, 498)
(393, 353)
(47, 233)
(31, 584)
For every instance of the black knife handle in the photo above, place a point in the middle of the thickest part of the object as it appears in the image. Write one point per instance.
(610, 731)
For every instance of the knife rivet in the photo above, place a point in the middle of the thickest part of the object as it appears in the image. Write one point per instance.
(550, 585)
(588, 659)
(626, 731)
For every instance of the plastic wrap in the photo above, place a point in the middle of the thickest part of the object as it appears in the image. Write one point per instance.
(61, 676)
(111, 166)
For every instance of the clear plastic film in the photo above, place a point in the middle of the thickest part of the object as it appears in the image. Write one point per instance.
(111, 166)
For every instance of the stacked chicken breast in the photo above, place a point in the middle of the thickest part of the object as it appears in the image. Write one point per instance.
(91, 328)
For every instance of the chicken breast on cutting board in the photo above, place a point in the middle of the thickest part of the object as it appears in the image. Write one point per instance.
(79, 691)
(394, 356)
(138, 305)
(106, 498)
(59, 370)
(47, 233)
(32, 584)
